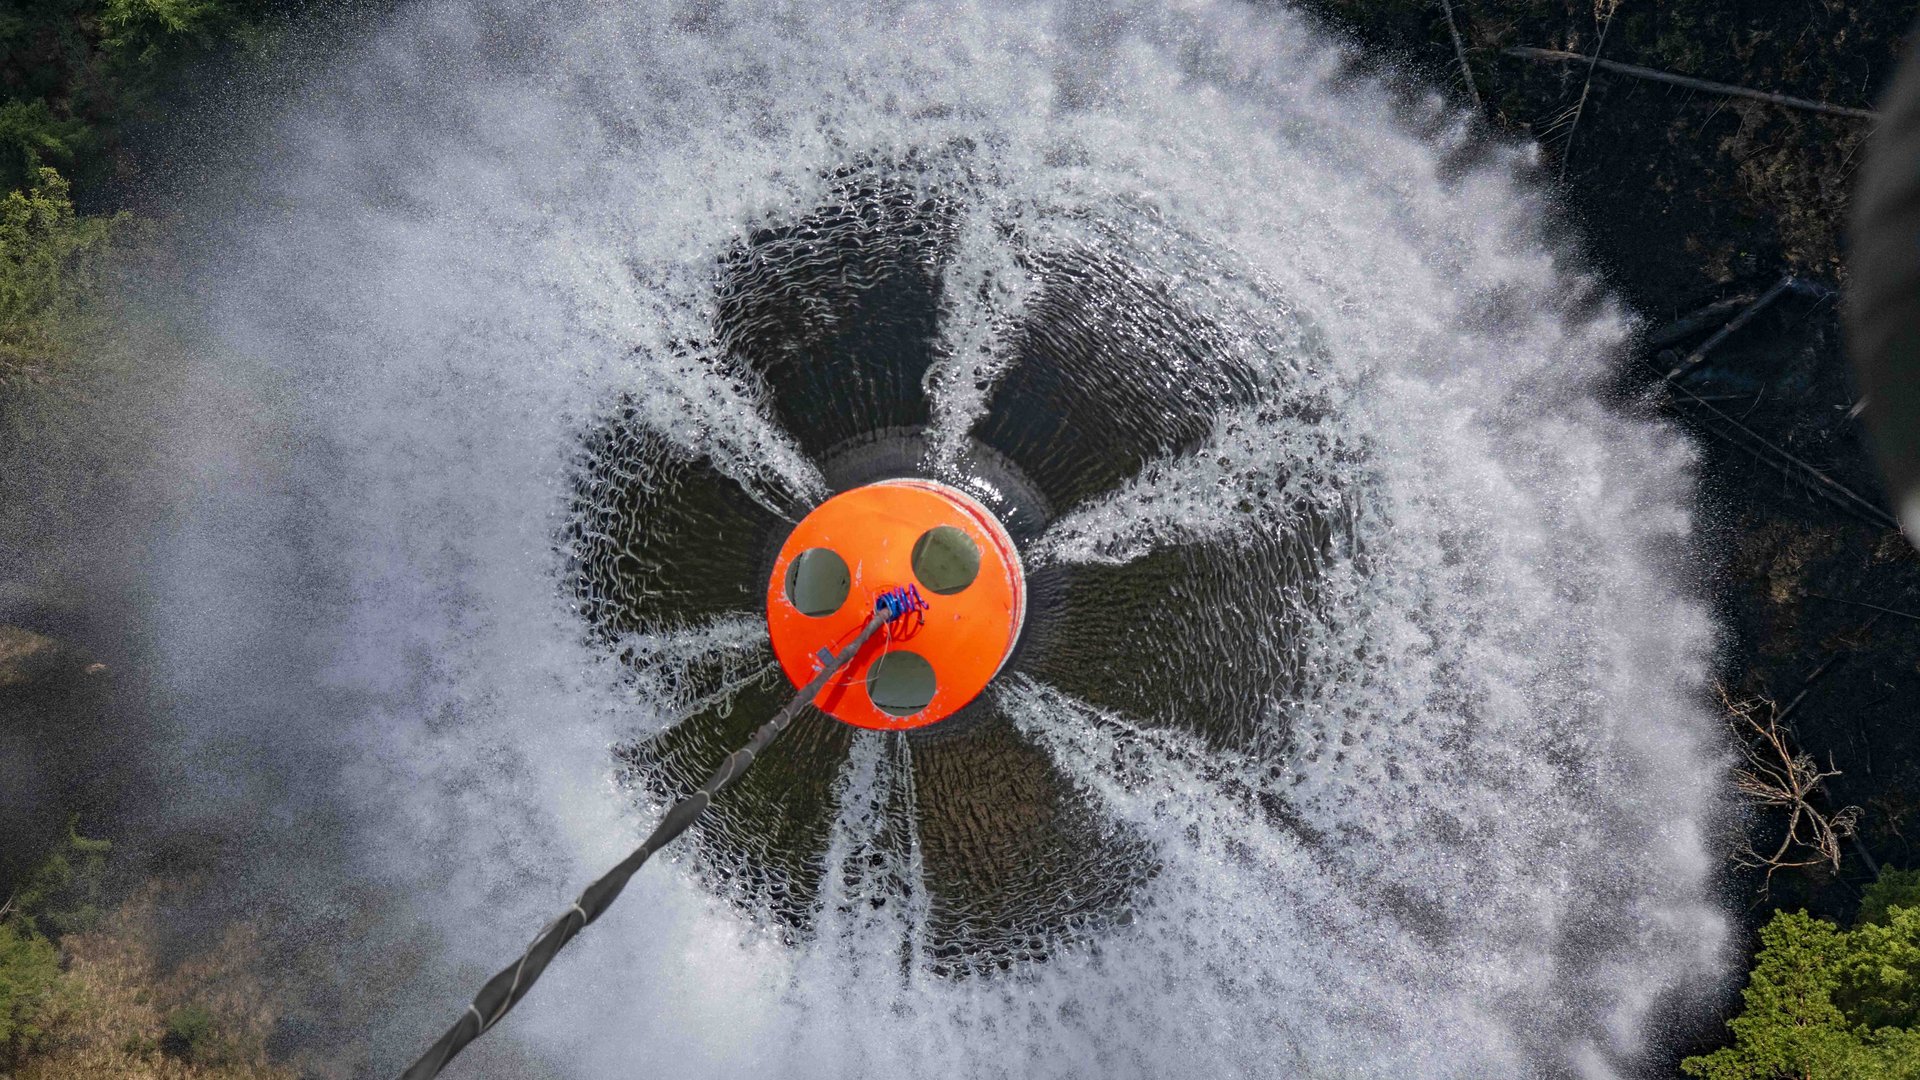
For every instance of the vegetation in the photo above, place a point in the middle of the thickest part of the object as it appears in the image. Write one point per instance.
(1896, 888)
(76, 76)
(190, 1033)
(83, 995)
(1825, 1003)
(79, 78)
(62, 896)
(50, 262)
(29, 968)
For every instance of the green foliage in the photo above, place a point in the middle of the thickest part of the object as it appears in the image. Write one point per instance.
(1896, 888)
(1825, 1003)
(1880, 973)
(31, 137)
(61, 896)
(29, 969)
(190, 1033)
(147, 31)
(74, 73)
(49, 262)
(59, 101)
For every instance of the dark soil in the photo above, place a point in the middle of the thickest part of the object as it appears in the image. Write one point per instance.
(1681, 199)
(1679, 192)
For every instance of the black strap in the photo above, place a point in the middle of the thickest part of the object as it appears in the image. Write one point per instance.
(505, 990)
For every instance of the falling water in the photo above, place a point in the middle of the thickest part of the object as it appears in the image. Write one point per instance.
(1363, 695)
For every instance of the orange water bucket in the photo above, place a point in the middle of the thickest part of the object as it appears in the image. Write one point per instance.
(925, 666)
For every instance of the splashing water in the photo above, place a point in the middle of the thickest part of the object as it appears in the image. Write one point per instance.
(1365, 720)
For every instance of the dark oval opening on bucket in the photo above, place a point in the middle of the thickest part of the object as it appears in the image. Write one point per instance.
(945, 559)
(818, 582)
(900, 683)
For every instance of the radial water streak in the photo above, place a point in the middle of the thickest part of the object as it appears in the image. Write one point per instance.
(1359, 725)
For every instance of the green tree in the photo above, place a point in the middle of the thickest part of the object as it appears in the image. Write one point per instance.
(50, 258)
(64, 894)
(75, 73)
(1880, 973)
(1896, 888)
(1823, 1003)
(61, 896)
(31, 136)
(29, 968)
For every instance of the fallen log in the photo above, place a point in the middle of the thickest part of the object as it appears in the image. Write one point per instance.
(1864, 604)
(1699, 356)
(1786, 462)
(1562, 56)
(1460, 50)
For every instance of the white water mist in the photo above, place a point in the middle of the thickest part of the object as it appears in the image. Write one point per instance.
(493, 219)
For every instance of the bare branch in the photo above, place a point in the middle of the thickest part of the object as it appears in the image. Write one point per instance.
(1791, 465)
(1460, 50)
(1766, 451)
(1603, 14)
(1864, 604)
(1698, 356)
(1560, 56)
(1715, 314)
(1775, 775)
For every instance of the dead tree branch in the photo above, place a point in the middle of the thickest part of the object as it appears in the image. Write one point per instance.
(1715, 314)
(1864, 604)
(1525, 52)
(1781, 716)
(1777, 776)
(1699, 356)
(1603, 11)
(1787, 463)
(1460, 50)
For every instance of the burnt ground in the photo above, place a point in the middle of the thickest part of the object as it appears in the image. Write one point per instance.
(1819, 599)
(1673, 191)
(1691, 203)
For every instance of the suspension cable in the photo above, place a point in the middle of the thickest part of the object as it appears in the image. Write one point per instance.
(505, 990)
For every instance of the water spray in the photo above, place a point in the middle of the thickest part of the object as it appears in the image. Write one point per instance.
(884, 531)
(1340, 714)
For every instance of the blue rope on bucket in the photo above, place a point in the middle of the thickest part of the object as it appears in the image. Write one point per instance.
(900, 602)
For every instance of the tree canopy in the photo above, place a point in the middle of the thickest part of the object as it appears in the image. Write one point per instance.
(1826, 1003)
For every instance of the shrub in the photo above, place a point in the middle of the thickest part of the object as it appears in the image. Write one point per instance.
(1825, 1003)
(29, 969)
(49, 258)
(63, 895)
(190, 1033)
(1896, 888)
